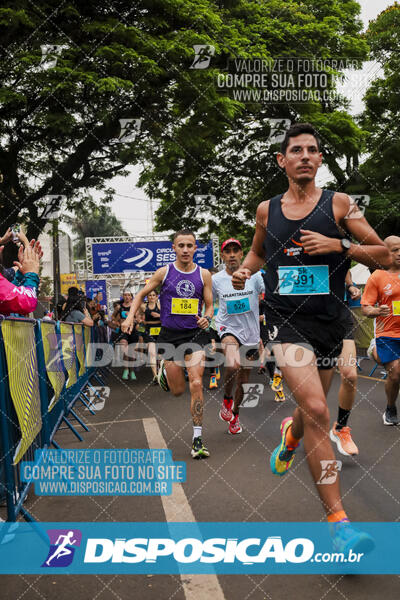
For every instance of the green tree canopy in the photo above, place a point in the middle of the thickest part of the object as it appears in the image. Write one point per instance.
(380, 171)
(70, 72)
(212, 168)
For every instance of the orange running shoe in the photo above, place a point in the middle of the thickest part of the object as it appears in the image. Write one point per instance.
(343, 440)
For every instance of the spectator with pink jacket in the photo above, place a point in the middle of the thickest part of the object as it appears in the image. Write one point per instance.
(20, 294)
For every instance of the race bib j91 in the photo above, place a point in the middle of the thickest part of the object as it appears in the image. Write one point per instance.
(310, 280)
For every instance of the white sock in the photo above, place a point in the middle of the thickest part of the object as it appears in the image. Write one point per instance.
(196, 431)
(277, 372)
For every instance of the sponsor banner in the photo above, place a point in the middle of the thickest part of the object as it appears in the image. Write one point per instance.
(96, 289)
(221, 548)
(109, 472)
(23, 381)
(68, 280)
(121, 257)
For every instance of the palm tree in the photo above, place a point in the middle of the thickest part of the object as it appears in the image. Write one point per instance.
(99, 222)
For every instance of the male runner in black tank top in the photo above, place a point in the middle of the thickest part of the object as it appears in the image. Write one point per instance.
(304, 237)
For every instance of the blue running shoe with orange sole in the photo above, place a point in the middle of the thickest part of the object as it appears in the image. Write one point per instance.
(346, 538)
(283, 456)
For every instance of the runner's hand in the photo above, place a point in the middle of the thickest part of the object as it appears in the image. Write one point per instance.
(127, 325)
(202, 322)
(354, 292)
(239, 278)
(383, 310)
(316, 243)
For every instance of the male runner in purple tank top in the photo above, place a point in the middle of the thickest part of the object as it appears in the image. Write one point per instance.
(184, 287)
(305, 237)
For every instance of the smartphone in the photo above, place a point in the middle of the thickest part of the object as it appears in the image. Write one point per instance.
(15, 231)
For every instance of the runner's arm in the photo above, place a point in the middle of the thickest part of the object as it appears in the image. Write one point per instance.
(371, 251)
(256, 256)
(202, 322)
(353, 290)
(154, 282)
(369, 298)
(214, 289)
(115, 320)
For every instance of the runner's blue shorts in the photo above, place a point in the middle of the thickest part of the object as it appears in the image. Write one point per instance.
(388, 348)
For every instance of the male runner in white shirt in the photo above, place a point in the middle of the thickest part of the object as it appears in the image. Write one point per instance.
(238, 327)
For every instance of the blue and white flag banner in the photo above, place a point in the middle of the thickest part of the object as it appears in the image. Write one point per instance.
(125, 257)
(220, 548)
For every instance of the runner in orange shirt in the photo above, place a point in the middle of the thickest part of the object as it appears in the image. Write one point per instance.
(383, 290)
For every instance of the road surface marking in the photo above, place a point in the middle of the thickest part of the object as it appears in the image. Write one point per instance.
(177, 508)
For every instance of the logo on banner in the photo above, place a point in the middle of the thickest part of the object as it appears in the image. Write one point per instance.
(185, 288)
(63, 543)
(145, 255)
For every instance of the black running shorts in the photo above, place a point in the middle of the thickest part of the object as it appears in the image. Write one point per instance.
(350, 325)
(185, 341)
(324, 337)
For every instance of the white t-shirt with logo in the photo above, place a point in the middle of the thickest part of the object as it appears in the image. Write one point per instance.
(238, 311)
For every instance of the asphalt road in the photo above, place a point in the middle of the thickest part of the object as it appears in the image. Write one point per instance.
(234, 484)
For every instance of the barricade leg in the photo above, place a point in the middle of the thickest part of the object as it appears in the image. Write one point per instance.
(86, 401)
(72, 428)
(73, 413)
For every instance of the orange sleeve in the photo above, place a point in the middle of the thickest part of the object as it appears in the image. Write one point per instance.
(371, 294)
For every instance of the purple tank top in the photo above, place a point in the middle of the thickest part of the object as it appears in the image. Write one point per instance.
(181, 298)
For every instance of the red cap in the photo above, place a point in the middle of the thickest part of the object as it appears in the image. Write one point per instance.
(230, 241)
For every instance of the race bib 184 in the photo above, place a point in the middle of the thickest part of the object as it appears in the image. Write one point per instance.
(238, 307)
(310, 280)
(185, 306)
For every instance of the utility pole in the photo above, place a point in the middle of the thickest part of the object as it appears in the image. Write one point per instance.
(151, 217)
(56, 264)
(52, 212)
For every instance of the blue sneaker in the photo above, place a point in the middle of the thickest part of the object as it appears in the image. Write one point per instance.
(346, 538)
(282, 457)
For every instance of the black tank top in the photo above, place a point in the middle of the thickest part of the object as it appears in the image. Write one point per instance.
(123, 311)
(149, 317)
(283, 248)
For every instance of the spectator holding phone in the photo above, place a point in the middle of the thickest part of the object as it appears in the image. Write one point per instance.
(20, 294)
(74, 310)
